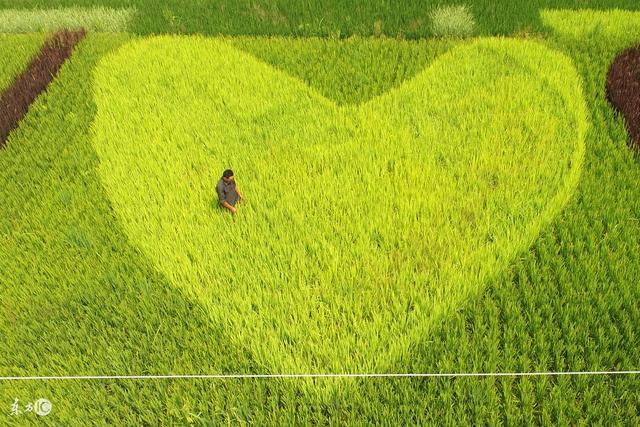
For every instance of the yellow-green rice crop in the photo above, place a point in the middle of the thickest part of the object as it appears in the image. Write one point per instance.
(364, 224)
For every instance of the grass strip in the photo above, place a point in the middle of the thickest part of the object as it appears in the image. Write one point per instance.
(94, 19)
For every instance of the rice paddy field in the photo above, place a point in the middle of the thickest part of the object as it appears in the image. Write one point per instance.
(430, 188)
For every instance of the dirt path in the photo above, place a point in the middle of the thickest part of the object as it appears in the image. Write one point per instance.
(623, 90)
(16, 99)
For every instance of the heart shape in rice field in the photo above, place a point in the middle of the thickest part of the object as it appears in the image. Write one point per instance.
(363, 224)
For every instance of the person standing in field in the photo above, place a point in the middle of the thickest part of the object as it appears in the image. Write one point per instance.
(228, 191)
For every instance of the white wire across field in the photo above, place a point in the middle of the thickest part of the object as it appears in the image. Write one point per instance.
(357, 375)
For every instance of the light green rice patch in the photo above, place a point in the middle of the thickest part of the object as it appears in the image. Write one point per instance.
(578, 24)
(364, 224)
(16, 50)
(94, 19)
(452, 21)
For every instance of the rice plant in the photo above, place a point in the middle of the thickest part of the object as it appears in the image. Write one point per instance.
(452, 21)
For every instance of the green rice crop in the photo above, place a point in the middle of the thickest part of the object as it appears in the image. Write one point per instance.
(80, 314)
(322, 17)
(22, 48)
(387, 219)
(360, 77)
(587, 23)
(95, 19)
(78, 299)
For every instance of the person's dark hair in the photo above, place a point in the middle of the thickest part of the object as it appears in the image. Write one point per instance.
(227, 173)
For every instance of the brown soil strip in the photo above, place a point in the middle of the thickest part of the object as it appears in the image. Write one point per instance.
(16, 99)
(623, 90)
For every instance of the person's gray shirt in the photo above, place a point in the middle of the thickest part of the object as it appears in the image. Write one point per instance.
(227, 191)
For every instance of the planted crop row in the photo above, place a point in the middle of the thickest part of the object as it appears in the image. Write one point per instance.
(337, 18)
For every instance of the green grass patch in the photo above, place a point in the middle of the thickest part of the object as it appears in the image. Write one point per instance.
(17, 51)
(93, 19)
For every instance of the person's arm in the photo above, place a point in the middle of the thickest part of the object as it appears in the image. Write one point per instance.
(228, 206)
